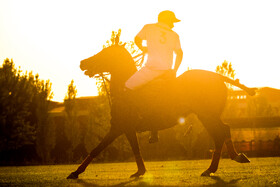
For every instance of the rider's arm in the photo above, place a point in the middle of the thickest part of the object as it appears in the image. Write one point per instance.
(179, 57)
(139, 42)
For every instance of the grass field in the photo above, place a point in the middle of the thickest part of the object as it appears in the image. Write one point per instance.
(260, 172)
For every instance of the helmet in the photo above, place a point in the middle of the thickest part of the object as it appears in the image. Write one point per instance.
(167, 16)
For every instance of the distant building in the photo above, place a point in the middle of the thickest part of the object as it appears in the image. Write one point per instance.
(82, 105)
(265, 103)
(256, 133)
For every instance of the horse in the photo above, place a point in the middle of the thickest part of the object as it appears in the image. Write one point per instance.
(159, 104)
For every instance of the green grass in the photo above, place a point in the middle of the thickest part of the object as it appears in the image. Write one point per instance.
(260, 172)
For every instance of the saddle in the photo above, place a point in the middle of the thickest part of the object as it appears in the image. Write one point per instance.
(147, 104)
(154, 92)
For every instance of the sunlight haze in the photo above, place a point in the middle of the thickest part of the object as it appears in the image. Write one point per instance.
(52, 37)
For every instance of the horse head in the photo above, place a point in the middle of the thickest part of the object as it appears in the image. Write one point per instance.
(114, 59)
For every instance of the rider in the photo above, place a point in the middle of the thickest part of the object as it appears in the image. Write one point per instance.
(161, 43)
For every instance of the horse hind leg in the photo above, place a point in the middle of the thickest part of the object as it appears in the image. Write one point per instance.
(220, 132)
(108, 139)
(230, 147)
(241, 157)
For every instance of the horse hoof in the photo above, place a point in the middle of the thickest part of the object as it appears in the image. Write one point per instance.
(73, 175)
(241, 158)
(137, 174)
(206, 173)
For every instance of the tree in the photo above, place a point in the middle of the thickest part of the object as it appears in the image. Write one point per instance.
(39, 108)
(24, 100)
(259, 107)
(71, 110)
(102, 80)
(70, 99)
(60, 152)
(226, 69)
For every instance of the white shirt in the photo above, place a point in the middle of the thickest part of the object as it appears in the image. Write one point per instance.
(161, 43)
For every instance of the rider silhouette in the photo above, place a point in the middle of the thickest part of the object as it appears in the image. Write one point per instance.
(161, 43)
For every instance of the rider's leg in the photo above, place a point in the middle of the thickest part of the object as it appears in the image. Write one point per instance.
(140, 78)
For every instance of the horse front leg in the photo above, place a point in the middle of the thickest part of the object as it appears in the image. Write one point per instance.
(133, 140)
(241, 157)
(108, 139)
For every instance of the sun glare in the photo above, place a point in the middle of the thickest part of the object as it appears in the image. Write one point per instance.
(182, 121)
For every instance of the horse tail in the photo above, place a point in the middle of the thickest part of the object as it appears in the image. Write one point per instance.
(250, 91)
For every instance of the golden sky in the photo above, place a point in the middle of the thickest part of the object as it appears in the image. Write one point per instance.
(52, 37)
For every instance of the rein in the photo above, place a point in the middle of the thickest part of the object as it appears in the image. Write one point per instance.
(106, 90)
(139, 59)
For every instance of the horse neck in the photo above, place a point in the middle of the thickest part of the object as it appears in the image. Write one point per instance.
(118, 80)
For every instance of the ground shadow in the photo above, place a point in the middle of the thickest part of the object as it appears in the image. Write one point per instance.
(88, 183)
(140, 182)
(221, 182)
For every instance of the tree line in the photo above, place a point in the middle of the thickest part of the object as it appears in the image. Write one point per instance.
(24, 104)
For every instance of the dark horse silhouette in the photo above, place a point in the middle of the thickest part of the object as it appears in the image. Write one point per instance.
(159, 105)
